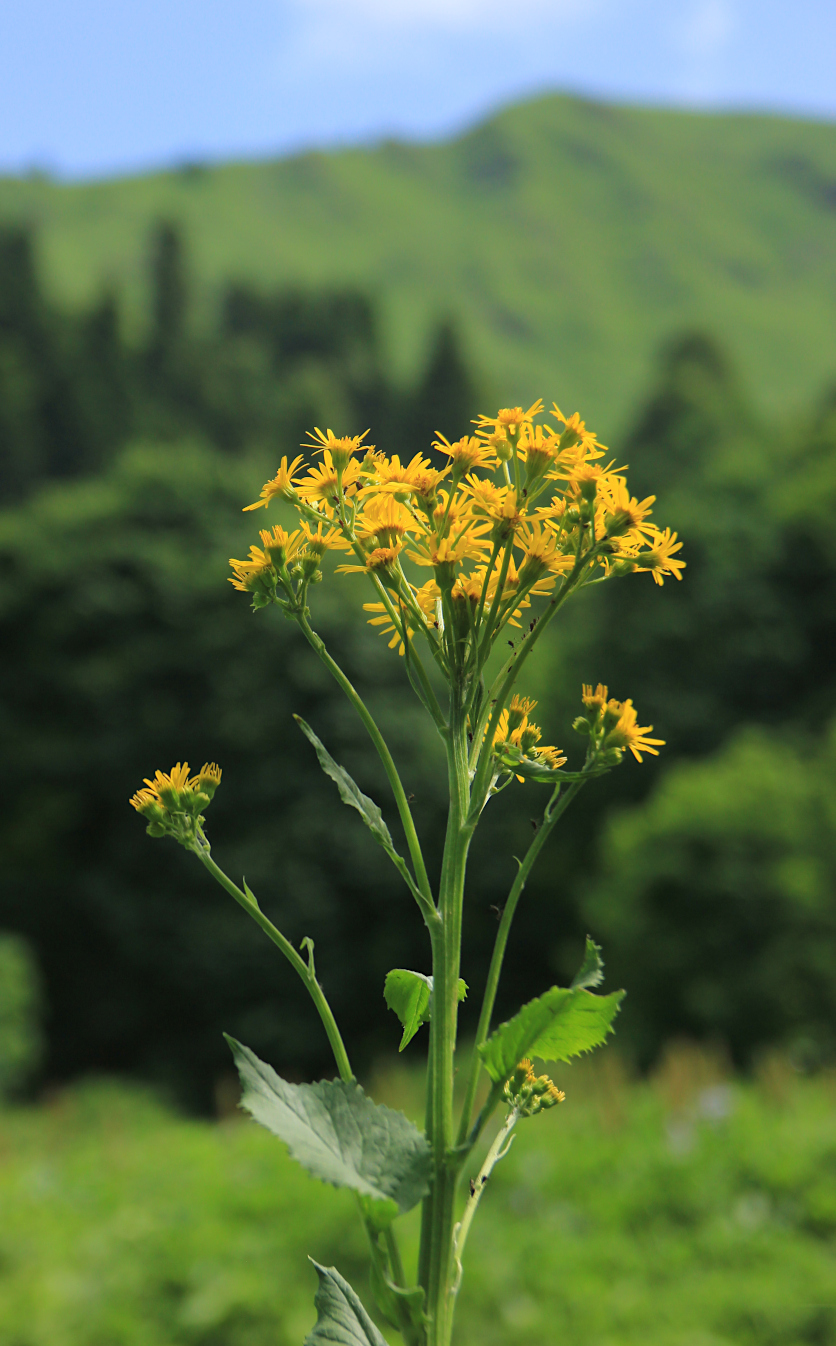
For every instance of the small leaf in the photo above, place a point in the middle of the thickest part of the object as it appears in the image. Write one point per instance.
(340, 1136)
(556, 1026)
(409, 994)
(591, 970)
(341, 1319)
(350, 793)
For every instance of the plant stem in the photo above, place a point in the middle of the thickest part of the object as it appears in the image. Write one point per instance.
(299, 965)
(498, 1150)
(435, 1261)
(550, 817)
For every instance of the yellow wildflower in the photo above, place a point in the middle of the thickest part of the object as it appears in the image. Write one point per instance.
(465, 454)
(627, 734)
(328, 483)
(340, 450)
(282, 485)
(660, 561)
(255, 573)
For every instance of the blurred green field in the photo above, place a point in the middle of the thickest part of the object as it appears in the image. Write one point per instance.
(568, 238)
(690, 1210)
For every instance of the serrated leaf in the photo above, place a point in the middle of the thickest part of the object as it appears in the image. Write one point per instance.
(409, 994)
(591, 970)
(556, 1026)
(341, 1319)
(340, 1135)
(350, 793)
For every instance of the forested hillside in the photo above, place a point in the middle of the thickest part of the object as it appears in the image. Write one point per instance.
(568, 238)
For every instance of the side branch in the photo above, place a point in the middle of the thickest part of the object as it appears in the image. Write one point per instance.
(304, 969)
(550, 817)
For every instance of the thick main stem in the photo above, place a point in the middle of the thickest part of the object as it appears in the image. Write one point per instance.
(435, 1262)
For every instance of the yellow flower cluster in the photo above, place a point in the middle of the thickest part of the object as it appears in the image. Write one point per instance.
(517, 738)
(500, 518)
(531, 1093)
(172, 801)
(613, 724)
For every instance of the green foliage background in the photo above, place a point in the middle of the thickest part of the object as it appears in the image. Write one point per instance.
(687, 1210)
(164, 340)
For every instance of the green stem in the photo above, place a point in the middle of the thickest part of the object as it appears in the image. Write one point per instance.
(379, 742)
(305, 971)
(498, 1150)
(437, 1217)
(550, 817)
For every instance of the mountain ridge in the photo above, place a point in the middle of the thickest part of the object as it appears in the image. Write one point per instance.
(568, 238)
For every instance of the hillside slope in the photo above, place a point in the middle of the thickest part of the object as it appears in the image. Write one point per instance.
(568, 237)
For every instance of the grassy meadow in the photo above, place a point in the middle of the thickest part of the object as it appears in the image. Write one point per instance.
(692, 1209)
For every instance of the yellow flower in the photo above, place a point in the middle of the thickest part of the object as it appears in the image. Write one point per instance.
(595, 700)
(624, 513)
(465, 454)
(329, 483)
(207, 779)
(317, 543)
(628, 734)
(279, 545)
(510, 419)
(282, 485)
(660, 561)
(340, 450)
(497, 503)
(170, 786)
(381, 562)
(542, 554)
(148, 803)
(385, 520)
(256, 573)
(519, 710)
(538, 451)
(396, 478)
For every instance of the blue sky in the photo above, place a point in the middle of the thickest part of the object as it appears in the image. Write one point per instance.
(94, 87)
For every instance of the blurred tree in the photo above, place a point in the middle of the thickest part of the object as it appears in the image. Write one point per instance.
(445, 399)
(20, 1003)
(716, 900)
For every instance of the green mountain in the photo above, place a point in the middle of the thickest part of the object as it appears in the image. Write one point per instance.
(568, 238)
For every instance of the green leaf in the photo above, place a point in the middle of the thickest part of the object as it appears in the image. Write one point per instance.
(409, 994)
(340, 1136)
(350, 793)
(341, 1319)
(591, 970)
(556, 1026)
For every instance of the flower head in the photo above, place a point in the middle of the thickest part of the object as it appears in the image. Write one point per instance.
(281, 485)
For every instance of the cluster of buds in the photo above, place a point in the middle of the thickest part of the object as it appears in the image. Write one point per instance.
(530, 1093)
(612, 726)
(173, 801)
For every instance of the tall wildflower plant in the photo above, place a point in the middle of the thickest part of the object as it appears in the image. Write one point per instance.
(524, 514)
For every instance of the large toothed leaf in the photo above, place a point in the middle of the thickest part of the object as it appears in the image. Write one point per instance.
(409, 994)
(556, 1026)
(350, 793)
(341, 1319)
(591, 971)
(340, 1135)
